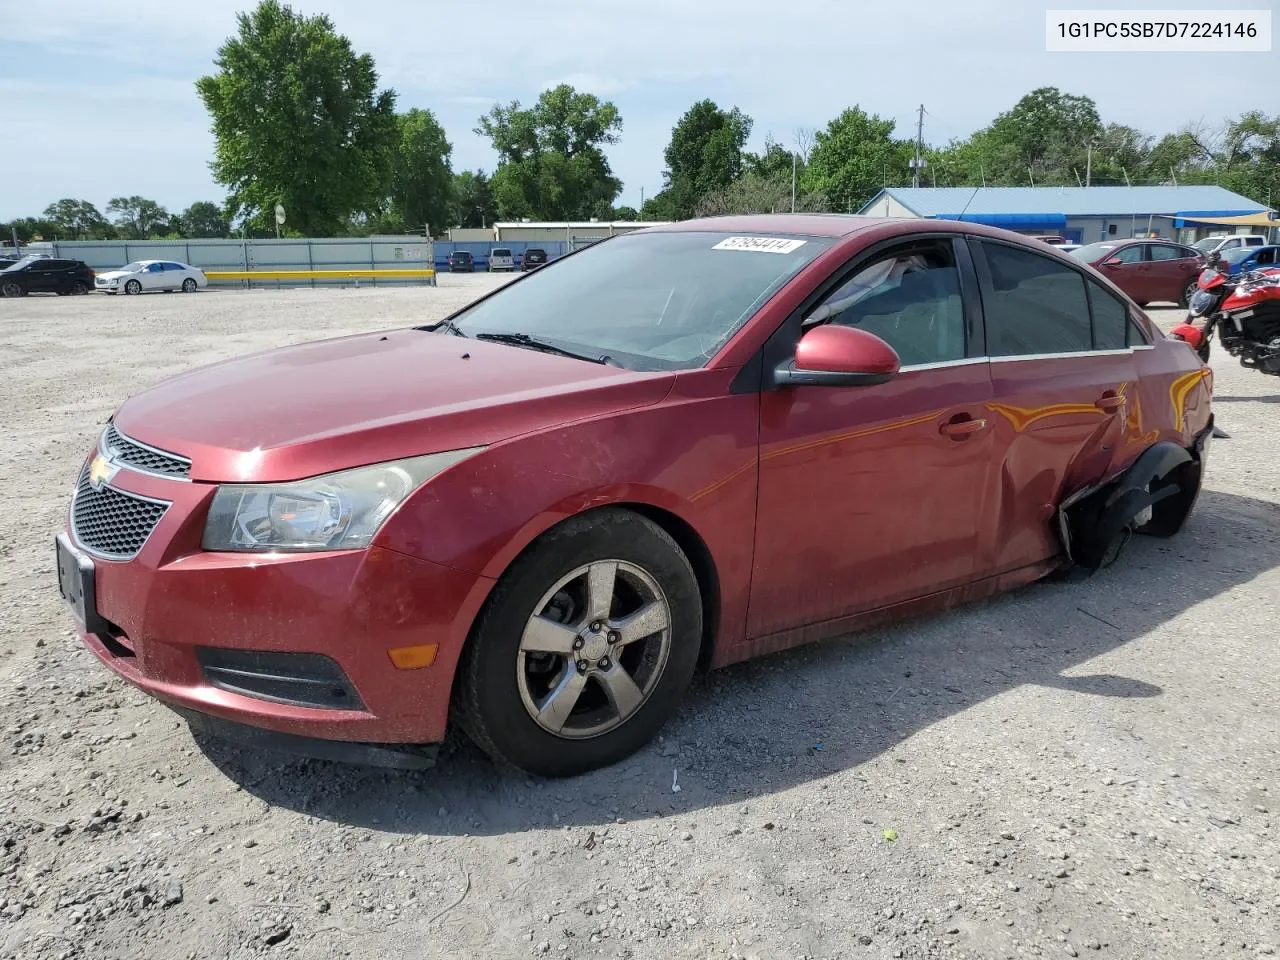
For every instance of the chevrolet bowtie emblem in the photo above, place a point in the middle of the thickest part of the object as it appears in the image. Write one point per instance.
(101, 471)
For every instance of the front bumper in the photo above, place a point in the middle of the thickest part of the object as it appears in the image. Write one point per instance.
(154, 618)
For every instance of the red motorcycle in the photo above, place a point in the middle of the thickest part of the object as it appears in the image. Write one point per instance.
(1243, 311)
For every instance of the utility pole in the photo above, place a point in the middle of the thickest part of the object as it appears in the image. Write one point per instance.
(1088, 163)
(793, 181)
(918, 162)
(642, 198)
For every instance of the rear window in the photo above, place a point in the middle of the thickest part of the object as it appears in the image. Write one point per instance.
(501, 252)
(1092, 252)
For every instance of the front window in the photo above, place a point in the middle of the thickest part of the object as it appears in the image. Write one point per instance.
(649, 301)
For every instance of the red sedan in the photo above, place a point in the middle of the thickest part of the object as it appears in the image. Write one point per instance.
(1149, 271)
(677, 448)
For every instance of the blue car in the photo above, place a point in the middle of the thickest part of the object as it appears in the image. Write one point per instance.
(1243, 259)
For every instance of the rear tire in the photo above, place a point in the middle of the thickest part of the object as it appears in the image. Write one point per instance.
(189, 285)
(1188, 292)
(619, 686)
(78, 289)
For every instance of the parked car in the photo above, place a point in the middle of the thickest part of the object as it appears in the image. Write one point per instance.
(1068, 247)
(500, 258)
(461, 262)
(41, 274)
(685, 445)
(533, 257)
(1147, 270)
(142, 276)
(1246, 259)
(1224, 242)
(1053, 239)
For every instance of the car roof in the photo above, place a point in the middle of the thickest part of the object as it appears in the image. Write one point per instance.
(808, 224)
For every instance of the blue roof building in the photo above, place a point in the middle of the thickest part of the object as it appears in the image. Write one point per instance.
(1081, 214)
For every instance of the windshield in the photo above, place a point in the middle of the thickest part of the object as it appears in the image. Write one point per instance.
(1235, 254)
(649, 301)
(1207, 244)
(12, 264)
(134, 267)
(1092, 252)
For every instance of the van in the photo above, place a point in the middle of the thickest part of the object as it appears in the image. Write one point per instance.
(500, 258)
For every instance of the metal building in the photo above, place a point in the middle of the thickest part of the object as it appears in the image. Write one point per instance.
(1080, 214)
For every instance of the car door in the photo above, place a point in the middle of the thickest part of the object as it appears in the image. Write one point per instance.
(1128, 269)
(1167, 272)
(152, 276)
(42, 276)
(870, 495)
(1062, 393)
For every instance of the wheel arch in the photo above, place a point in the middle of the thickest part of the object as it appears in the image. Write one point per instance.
(1091, 518)
(680, 529)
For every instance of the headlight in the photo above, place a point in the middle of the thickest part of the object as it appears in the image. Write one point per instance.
(338, 511)
(1199, 303)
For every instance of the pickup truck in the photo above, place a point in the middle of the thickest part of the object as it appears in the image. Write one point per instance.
(1224, 242)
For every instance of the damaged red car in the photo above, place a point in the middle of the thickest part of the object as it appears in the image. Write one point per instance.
(674, 449)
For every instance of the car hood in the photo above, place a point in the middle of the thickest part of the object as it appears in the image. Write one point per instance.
(313, 408)
(114, 274)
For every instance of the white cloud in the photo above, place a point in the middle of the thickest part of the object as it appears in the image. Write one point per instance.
(785, 65)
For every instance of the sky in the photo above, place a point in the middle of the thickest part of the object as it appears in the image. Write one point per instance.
(98, 100)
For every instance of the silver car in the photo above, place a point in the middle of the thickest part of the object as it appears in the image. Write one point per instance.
(143, 276)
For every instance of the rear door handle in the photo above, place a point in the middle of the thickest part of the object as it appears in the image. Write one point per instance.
(959, 429)
(1109, 401)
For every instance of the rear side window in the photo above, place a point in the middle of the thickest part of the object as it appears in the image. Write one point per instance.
(1110, 319)
(1035, 305)
(1160, 251)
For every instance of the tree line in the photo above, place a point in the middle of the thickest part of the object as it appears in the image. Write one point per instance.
(298, 119)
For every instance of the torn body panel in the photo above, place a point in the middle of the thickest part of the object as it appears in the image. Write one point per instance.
(1154, 496)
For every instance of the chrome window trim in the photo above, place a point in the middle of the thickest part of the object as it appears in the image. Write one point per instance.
(943, 364)
(168, 454)
(1072, 355)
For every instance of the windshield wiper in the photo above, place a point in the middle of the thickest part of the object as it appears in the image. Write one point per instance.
(532, 343)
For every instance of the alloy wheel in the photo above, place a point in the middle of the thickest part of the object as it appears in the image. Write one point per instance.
(594, 649)
(11, 289)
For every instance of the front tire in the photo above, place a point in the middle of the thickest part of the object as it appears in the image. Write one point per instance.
(133, 287)
(12, 289)
(584, 648)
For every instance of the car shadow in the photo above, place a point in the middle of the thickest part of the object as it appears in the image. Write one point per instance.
(763, 726)
(1274, 398)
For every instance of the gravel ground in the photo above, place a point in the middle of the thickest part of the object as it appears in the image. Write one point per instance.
(1076, 769)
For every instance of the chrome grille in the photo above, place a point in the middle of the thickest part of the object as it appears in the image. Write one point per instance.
(139, 456)
(111, 523)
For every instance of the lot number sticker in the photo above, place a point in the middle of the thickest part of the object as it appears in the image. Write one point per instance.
(760, 244)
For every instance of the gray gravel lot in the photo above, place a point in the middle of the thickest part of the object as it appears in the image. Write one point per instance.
(1077, 769)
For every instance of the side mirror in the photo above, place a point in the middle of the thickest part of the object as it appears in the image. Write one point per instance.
(835, 356)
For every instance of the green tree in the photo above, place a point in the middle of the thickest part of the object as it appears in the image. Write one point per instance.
(137, 218)
(422, 180)
(77, 219)
(551, 162)
(1043, 136)
(624, 214)
(754, 193)
(473, 200)
(29, 228)
(704, 156)
(298, 120)
(853, 158)
(204, 219)
(1249, 158)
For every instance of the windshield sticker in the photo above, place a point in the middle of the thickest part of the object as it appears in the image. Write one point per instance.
(760, 244)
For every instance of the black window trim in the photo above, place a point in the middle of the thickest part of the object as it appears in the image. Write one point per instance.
(781, 344)
(983, 272)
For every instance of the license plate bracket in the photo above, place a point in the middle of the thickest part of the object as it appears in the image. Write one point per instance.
(78, 585)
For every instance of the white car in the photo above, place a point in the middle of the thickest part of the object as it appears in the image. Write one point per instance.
(500, 258)
(144, 275)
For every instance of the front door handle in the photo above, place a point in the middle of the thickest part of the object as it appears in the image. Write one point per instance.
(960, 429)
(1109, 401)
